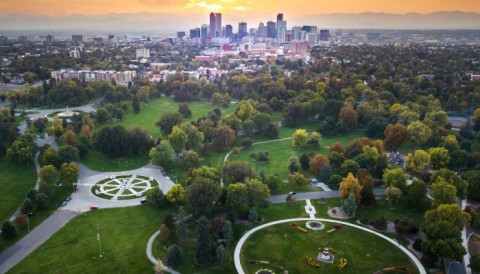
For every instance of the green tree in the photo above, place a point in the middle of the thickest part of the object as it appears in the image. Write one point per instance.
(392, 193)
(443, 192)
(237, 198)
(178, 139)
(349, 166)
(168, 121)
(451, 213)
(236, 172)
(162, 154)
(395, 135)
(194, 136)
(223, 137)
(245, 110)
(273, 182)
(221, 254)
(205, 172)
(48, 174)
(173, 256)
(205, 247)
(22, 149)
(257, 192)
(201, 195)
(191, 159)
(8, 230)
(69, 172)
(418, 133)
(439, 157)
(293, 164)
(443, 240)
(155, 197)
(349, 205)
(452, 178)
(298, 180)
(395, 177)
(417, 161)
(135, 105)
(417, 193)
(68, 153)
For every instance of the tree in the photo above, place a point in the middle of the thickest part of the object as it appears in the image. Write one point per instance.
(22, 149)
(8, 230)
(155, 197)
(102, 116)
(392, 193)
(184, 110)
(205, 247)
(135, 105)
(252, 214)
(349, 117)
(181, 223)
(176, 195)
(417, 161)
(395, 177)
(439, 157)
(162, 154)
(191, 159)
(451, 213)
(271, 132)
(48, 174)
(206, 127)
(325, 174)
(205, 172)
(443, 240)
(173, 256)
(418, 133)
(452, 178)
(139, 141)
(178, 139)
(273, 182)
(223, 137)
(349, 166)
(472, 177)
(293, 164)
(317, 164)
(350, 185)
(475, 263)
(245, 110)
(69, 172)
(201, 195)
(194, 136)
(221, 254)
(50, 157)
(298, 180)
(336, 161)
(168, 121)
(299, 138)
(366, 182)
(227, 230)
(337, 147)
(395, 135)
(443, 192)
(261, 121)
(349, 205)
(257, 193)
(68, 153)
(236, 172)
(314, 138)
(436, 120)
(21, 220)
(294, 114)
(304, 161)
(237, 198)
(164, 233)
(417, 192)
(69, 137)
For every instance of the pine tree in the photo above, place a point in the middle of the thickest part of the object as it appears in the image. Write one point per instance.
(135, 105)
(227, 230)
(8, 230)
(205, 246)
(173, 257)
(221, 254)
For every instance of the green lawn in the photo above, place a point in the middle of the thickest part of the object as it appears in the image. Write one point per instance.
(287, 247)
(99, 162)
(152, 111)
(280, 152)
(16, 181)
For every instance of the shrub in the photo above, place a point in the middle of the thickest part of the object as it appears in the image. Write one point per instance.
(334, 181)
(417, 244)
(253, 155)
(247, 142)
(173, 257)
(380, 223)
(475, 263)
(263, 156)
(364, 221)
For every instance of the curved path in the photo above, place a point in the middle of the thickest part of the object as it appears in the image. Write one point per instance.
(238, 248)
(150, 254)
(257, 143)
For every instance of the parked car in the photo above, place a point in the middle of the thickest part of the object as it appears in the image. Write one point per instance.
(92, 207)
(64, 204)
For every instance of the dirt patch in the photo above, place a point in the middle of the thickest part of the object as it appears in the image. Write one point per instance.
(338, 213)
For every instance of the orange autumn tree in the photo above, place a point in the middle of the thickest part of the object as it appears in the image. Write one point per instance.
(350, 185)
(317, 163)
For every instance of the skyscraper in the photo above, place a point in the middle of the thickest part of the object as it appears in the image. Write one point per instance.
(218, 25)
(212, 25)
(280, 17)
(262, 30)
(195, 33)
(325, 34)
(203, 33)
(229, 31)
(242, 29)
(271, 29)
(281, 28)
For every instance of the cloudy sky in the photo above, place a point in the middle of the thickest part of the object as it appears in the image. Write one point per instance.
(240, 8)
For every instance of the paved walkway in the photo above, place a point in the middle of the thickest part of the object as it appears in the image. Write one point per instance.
(21, 249)
(238, 248)
(276, 199)
(466, 257)
(310, 209)
(150, 254)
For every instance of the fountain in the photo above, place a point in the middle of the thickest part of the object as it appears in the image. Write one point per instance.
(325, 256)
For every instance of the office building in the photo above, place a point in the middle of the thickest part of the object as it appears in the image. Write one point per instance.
(211, 33)
(194, 33)
(297, 33)
(229, 31)
(142, 53)
(218, 25)
(262, 30)
(271, 29)
(203, 33)
(310, 29)
(77, 38)
(325, 35)
(281, 30)
(75, 54)
(242, 29)
(181, 34)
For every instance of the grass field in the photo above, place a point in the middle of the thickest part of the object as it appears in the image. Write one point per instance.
(152, 111)
(287, 247)
(125, 232)
(16, 181)
(99, 162)
(280, 152)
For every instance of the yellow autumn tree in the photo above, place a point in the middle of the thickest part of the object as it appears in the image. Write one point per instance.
(350, 185)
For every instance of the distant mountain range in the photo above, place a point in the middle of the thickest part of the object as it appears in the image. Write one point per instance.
(147, 22)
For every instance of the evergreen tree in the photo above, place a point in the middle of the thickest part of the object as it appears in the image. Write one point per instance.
(173, 257)
(325, 174)
(205, 246)
(305, 162)
(252, 214)
(221, 254)
(227, 230)
(135, 105)
(8, 230)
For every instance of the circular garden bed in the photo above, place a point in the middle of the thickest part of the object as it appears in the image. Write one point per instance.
(123, 187)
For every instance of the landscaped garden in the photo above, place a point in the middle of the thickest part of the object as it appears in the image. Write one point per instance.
(296, 251)
(123, 187)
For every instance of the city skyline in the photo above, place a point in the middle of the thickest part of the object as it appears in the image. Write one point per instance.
(250, 9)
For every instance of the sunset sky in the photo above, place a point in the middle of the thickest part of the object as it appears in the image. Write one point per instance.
(236, 7)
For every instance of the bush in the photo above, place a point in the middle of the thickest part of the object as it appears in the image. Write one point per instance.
(253, 155)
(364, 221)
(173, 257)
(417, 244)
(405, 226)
(263, 156)
(169, 220)
(380, 223)
(334, 181)
(475, 263)
(247, 142)
(8, 230)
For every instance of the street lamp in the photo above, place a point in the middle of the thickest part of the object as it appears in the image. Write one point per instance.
(28, 221)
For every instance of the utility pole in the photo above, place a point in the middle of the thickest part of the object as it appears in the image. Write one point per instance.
(98, 239)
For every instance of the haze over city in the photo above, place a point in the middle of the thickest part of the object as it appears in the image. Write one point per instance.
(169, 15)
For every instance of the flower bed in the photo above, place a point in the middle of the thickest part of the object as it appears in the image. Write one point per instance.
(297, 227)
(334, 228)
(343, 262)
(315, 225)
(264, 271)
(312, 262)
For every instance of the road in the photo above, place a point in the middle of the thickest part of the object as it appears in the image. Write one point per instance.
(42, 113)
(21, 249)
(276, 199)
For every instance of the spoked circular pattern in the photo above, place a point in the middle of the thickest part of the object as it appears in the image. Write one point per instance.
(123, 187)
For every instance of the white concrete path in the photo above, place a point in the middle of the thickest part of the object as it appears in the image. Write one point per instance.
(466, 257)
(238, 248)
(152, 258)
(310, 209)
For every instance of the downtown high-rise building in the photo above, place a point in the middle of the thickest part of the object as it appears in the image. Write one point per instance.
(203, 33)
(229, 31)
(211, 32)
(281, 28)
(218, 25)
(271, 29)
(195, 33)
(242, 29)
(262, 30)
